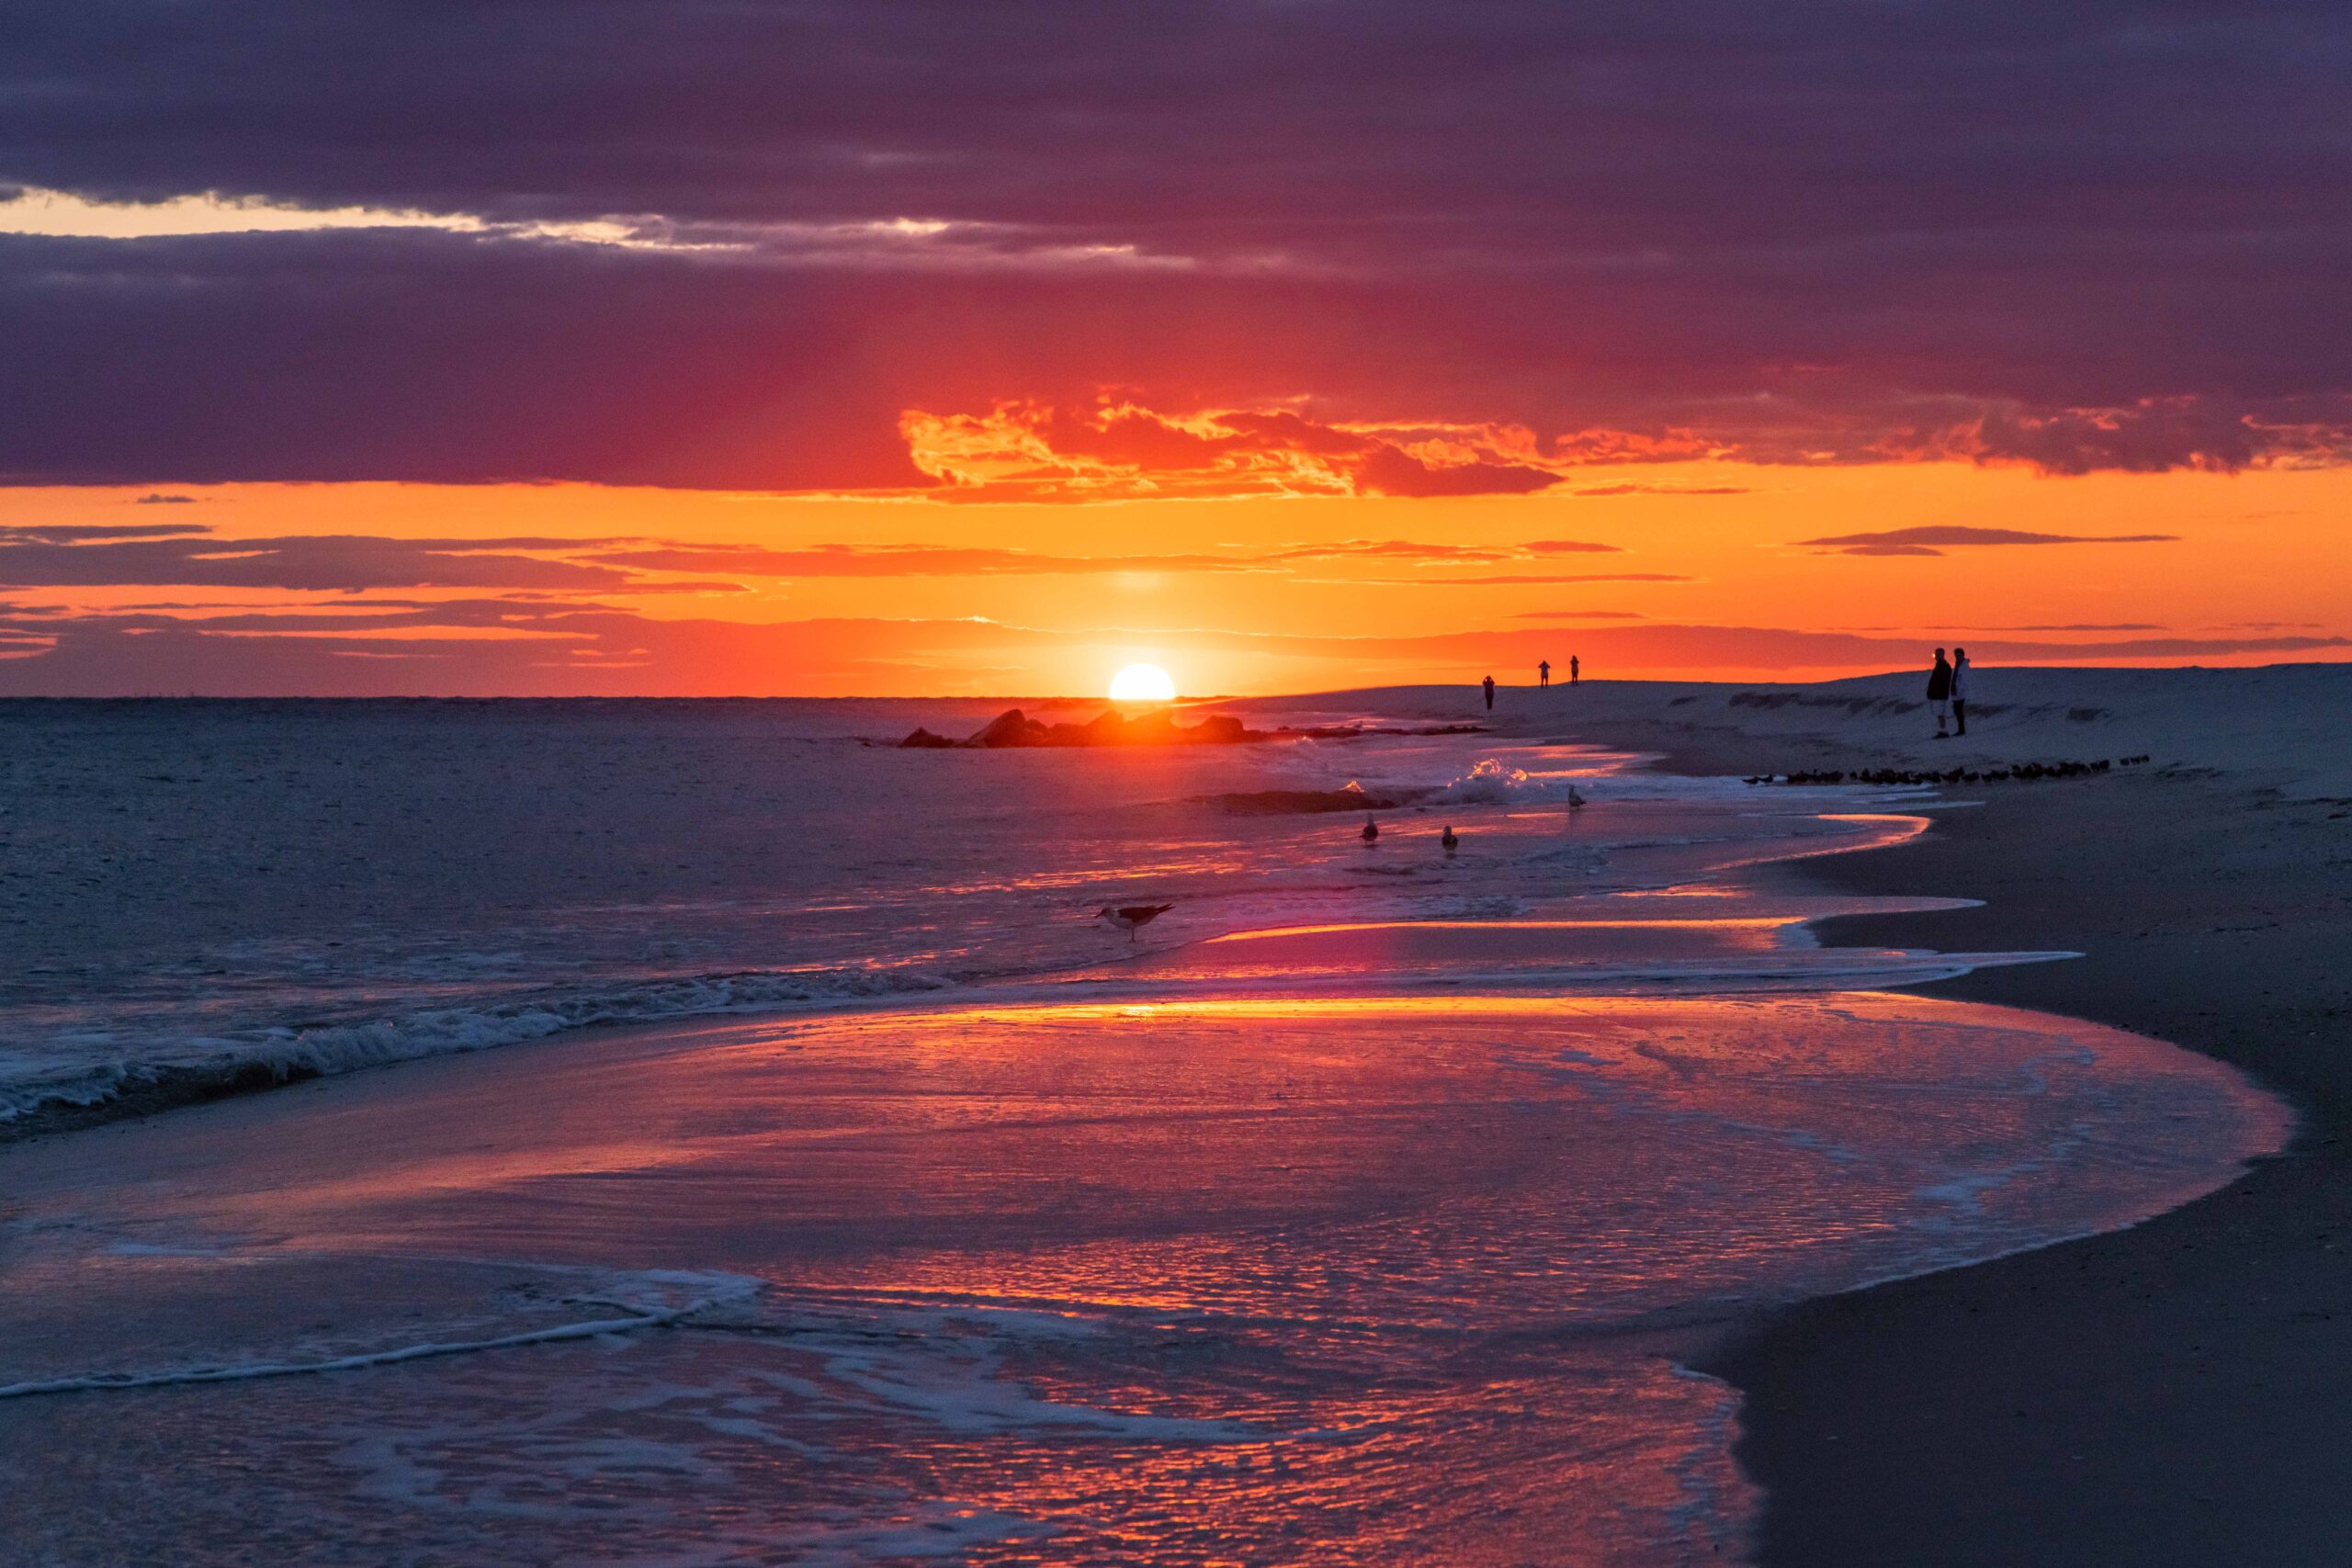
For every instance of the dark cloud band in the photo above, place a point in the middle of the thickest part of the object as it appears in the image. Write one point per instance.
(2082, 238)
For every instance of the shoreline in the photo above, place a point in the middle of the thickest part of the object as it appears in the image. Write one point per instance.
(2171, 1392)
(483, 1145)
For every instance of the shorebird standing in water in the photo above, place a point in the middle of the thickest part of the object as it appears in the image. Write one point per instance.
(1451, 839)
(1371, 830)
(1576, 801)
(1128, 918)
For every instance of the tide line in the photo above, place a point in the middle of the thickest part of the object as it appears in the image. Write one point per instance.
(243, 1372)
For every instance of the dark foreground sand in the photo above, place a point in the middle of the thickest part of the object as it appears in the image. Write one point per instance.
(2177, 1393)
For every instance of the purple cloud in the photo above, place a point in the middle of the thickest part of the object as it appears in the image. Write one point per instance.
(2077, 237)
(1934, 539)
(81, 533)
(319, 563)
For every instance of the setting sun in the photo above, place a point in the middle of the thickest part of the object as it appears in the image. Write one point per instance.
(1142, 683)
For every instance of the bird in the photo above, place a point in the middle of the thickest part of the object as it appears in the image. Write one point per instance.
(1576, 801)
(1449, 839)
(1129, 917)
(1371, 829)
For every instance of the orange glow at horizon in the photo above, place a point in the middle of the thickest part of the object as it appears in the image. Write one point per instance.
(1644, 571)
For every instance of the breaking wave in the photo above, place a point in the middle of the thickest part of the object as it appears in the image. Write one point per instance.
(146, 1078)
(1491, 783)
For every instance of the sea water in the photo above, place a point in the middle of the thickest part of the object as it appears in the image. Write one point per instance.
(192, 888)
(1363, 1209)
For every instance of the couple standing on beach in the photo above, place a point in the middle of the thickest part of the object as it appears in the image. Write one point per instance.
(1948, 690)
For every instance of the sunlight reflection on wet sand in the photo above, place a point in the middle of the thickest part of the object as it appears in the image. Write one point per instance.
(1336, 1279)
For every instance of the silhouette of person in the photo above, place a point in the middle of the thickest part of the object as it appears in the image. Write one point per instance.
(1960, 690)
(1574, 666)
(1939, 693)
(1544, 673)
(1490, 693)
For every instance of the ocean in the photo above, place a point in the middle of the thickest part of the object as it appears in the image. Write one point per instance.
(194, 890)
(791, 1169)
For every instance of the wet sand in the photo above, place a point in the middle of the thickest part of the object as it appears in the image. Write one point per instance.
(2178, 1392)
(1353, 1280)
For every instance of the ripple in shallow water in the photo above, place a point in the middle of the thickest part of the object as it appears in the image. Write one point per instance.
(1391, 1281)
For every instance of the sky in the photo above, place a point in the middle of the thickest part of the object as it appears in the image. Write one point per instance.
(898, 347)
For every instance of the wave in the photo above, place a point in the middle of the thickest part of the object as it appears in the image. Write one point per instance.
(217, 1068)
(1494, 782)
(651, 1299)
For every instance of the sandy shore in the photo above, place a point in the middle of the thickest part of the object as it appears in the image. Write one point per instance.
(2176, 1393)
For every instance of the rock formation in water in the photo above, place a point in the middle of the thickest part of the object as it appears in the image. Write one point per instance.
(1157, 728)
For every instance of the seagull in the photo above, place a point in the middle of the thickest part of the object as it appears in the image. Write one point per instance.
(1371, 829)
(1449, 839)
(1576, 801)
(1128, 917)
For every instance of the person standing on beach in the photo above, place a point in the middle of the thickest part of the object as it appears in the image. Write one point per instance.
(1573, 666)
(1544, 673)
(1490, 693)
(1960, 690)
(1939, 693)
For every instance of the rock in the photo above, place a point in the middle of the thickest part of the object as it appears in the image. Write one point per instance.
(1218, 730)
(1011, 727)
(1157, 728)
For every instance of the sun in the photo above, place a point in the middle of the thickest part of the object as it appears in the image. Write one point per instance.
(1142, 683)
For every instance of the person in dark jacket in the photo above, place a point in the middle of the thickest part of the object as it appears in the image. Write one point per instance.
(1940, 693)
(1958, 692)
(1490, 693)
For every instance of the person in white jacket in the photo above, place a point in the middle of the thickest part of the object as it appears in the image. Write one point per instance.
(1960, 690)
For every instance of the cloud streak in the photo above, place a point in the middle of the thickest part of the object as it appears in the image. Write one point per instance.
(110, 555)
(321, 563)
(1934, 539)
(502, 645)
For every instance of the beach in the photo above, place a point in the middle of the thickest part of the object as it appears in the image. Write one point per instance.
(2174, 1393)
(1390, 1203)
(799, 784)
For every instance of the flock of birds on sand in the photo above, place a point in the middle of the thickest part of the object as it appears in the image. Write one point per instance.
(1133, 917)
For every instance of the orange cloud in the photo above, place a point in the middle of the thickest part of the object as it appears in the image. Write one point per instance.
(1027, 450)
